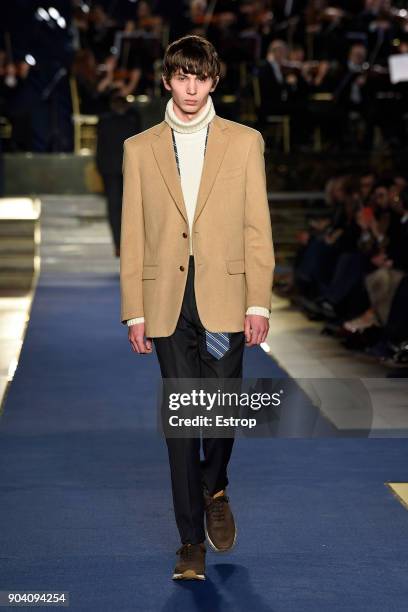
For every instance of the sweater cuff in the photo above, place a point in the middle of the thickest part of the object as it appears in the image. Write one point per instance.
(134, 321)
(258, 310)
(254, 310)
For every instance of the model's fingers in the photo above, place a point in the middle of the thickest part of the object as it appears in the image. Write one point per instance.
(258, 334)
(258, 337)
(147, 346)
(265, 334)
(132, 341)
(251, 341)
(253, 337)
(140, 344)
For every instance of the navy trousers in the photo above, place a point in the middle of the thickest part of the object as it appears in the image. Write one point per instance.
(184, 355)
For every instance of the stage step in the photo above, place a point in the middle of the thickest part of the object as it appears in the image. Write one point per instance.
(19, 242)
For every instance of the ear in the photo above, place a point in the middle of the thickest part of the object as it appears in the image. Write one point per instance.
(165, 83)
(215, 83)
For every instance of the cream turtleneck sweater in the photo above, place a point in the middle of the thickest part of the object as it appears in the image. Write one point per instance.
(190, 141)
(192, 126)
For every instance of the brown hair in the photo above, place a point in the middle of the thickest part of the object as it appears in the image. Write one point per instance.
(193, 54)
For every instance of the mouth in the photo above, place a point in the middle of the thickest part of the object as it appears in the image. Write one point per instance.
(192, 102)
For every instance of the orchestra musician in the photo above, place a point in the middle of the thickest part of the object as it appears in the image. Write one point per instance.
(282, 91)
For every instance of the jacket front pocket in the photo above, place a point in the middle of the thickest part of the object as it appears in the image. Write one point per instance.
(149, 271)
(236, 266)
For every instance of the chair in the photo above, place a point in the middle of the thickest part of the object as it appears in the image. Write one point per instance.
(84, 125)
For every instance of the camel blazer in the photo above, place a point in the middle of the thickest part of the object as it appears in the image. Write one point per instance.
(231, 235)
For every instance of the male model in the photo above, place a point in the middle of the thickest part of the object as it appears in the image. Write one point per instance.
(197, 264)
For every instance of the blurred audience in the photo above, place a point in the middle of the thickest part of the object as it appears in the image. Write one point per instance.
(324, 64)
(351, 266)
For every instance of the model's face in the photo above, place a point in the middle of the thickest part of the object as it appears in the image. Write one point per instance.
(189, 91)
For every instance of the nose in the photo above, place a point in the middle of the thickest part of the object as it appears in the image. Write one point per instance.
(191, 87)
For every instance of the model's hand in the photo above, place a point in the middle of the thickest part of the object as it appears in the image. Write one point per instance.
(256, 329)
(137, 339)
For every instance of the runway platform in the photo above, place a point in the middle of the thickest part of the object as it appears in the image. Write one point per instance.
(85, 487)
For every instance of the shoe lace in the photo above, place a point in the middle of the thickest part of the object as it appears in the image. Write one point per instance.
(216, 508)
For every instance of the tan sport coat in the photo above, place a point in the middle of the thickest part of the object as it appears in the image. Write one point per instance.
(232, 234)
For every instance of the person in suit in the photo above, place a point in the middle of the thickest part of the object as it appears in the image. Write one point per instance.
(288, 19)
(196, 270)
(282, 92)
(113, 128)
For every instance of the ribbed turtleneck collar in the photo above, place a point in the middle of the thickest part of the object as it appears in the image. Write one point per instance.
(196, 124)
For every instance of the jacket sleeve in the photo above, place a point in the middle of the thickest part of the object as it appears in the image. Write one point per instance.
(259, 250)
(132, 238)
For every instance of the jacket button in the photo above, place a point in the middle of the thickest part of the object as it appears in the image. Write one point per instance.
(182, 268)
(184, 235)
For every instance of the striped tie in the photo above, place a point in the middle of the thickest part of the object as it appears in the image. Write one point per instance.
(217, 343)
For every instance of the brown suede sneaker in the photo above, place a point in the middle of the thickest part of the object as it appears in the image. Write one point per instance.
(191, 565)
(220, 528)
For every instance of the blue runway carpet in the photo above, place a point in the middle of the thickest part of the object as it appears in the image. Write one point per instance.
(85, 486)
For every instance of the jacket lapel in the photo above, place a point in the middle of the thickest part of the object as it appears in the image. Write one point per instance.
(217, 142)
(166, 161)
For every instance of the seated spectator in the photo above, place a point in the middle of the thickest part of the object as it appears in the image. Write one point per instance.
(388, 291)
(375, 27)
(93, 89)
(398, 246)
(316, 264)
(283, 91)
(353, 270)
(325, 30)
(288, 19)
(367, 181)
(351, 91)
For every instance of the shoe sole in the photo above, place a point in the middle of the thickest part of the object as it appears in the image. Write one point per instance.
(189, 575)
(213, 546)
